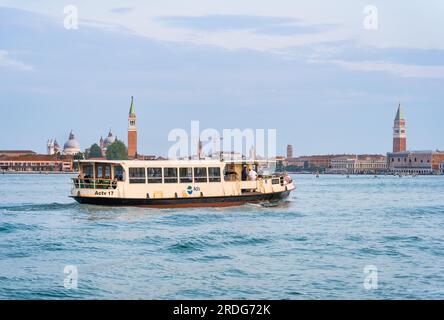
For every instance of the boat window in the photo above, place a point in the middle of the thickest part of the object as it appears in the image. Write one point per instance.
(214, 174)
(170, 175)
(88, 171)
(200, 175)
(154, 175)
(137, 175)
(186, 175)
(107, 172)
(118, 173)
(230, 172)
(103, 171)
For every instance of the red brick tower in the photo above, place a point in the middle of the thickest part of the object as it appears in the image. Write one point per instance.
(289, 151)
(399, 132)
(132, 132)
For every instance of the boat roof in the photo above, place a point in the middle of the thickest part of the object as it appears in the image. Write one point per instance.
(249, 161)
(176, 162)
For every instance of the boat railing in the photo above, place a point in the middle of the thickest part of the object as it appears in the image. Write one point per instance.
(89, 183)
(278, 178)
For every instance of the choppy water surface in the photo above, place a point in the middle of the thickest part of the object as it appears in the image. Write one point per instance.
(314, 246)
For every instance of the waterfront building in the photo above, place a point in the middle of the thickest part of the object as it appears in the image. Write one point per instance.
(359, 164)
(280, 162)
(343, 165)
(316, 161)
(71, 146)
(399, 131)
(371, 164)
(15, 153)
(294, 162)
(415, 162)
(289, 151)
(441, 168)
(132, 132)
(36, 163)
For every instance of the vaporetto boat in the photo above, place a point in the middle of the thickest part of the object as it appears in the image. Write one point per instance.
(177, 183)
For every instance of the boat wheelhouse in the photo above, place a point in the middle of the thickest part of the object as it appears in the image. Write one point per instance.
(176, 183)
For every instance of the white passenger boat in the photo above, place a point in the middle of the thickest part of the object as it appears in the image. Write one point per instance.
(176, 183)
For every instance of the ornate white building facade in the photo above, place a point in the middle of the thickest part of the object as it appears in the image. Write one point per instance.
(52, 147)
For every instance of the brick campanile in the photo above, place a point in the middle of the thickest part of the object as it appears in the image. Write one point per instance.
(289, 151)
(400, 131)
(132, 132)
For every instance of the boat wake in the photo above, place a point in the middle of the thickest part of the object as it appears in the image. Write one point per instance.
(39, 207)
(268, 204)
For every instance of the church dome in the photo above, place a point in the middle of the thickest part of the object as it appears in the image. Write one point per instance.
(109, 139)
(71, 146)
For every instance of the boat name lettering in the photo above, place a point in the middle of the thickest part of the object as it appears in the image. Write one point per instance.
(104, 193)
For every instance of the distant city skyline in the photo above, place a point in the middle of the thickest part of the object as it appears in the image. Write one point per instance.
(326, 84)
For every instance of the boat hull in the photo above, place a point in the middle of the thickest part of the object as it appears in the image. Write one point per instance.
(223, 201)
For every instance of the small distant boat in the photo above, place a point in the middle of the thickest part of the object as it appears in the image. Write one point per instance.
(176, 183)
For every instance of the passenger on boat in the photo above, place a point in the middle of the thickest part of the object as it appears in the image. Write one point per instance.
(244, 173)
(87, 181)
(252, 175)
(114, 183)
(80, 179)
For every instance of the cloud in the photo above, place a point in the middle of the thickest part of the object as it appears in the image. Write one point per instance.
(6, 61)
(121, 10)
(253, 32)
(402, 70)
(266, 25)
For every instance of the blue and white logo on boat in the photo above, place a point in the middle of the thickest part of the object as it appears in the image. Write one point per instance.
(190, 190)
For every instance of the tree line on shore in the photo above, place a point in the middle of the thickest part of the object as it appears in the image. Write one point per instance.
(115, 151)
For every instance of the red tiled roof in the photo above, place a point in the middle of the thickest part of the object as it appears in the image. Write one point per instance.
(18, 151)
(36, 157)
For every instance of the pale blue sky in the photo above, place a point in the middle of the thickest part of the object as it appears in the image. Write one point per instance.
(310, 70)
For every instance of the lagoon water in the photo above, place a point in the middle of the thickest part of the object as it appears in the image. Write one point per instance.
(314, 246)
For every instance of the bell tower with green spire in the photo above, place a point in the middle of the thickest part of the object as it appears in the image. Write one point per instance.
(400, 131)
(132, 132)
